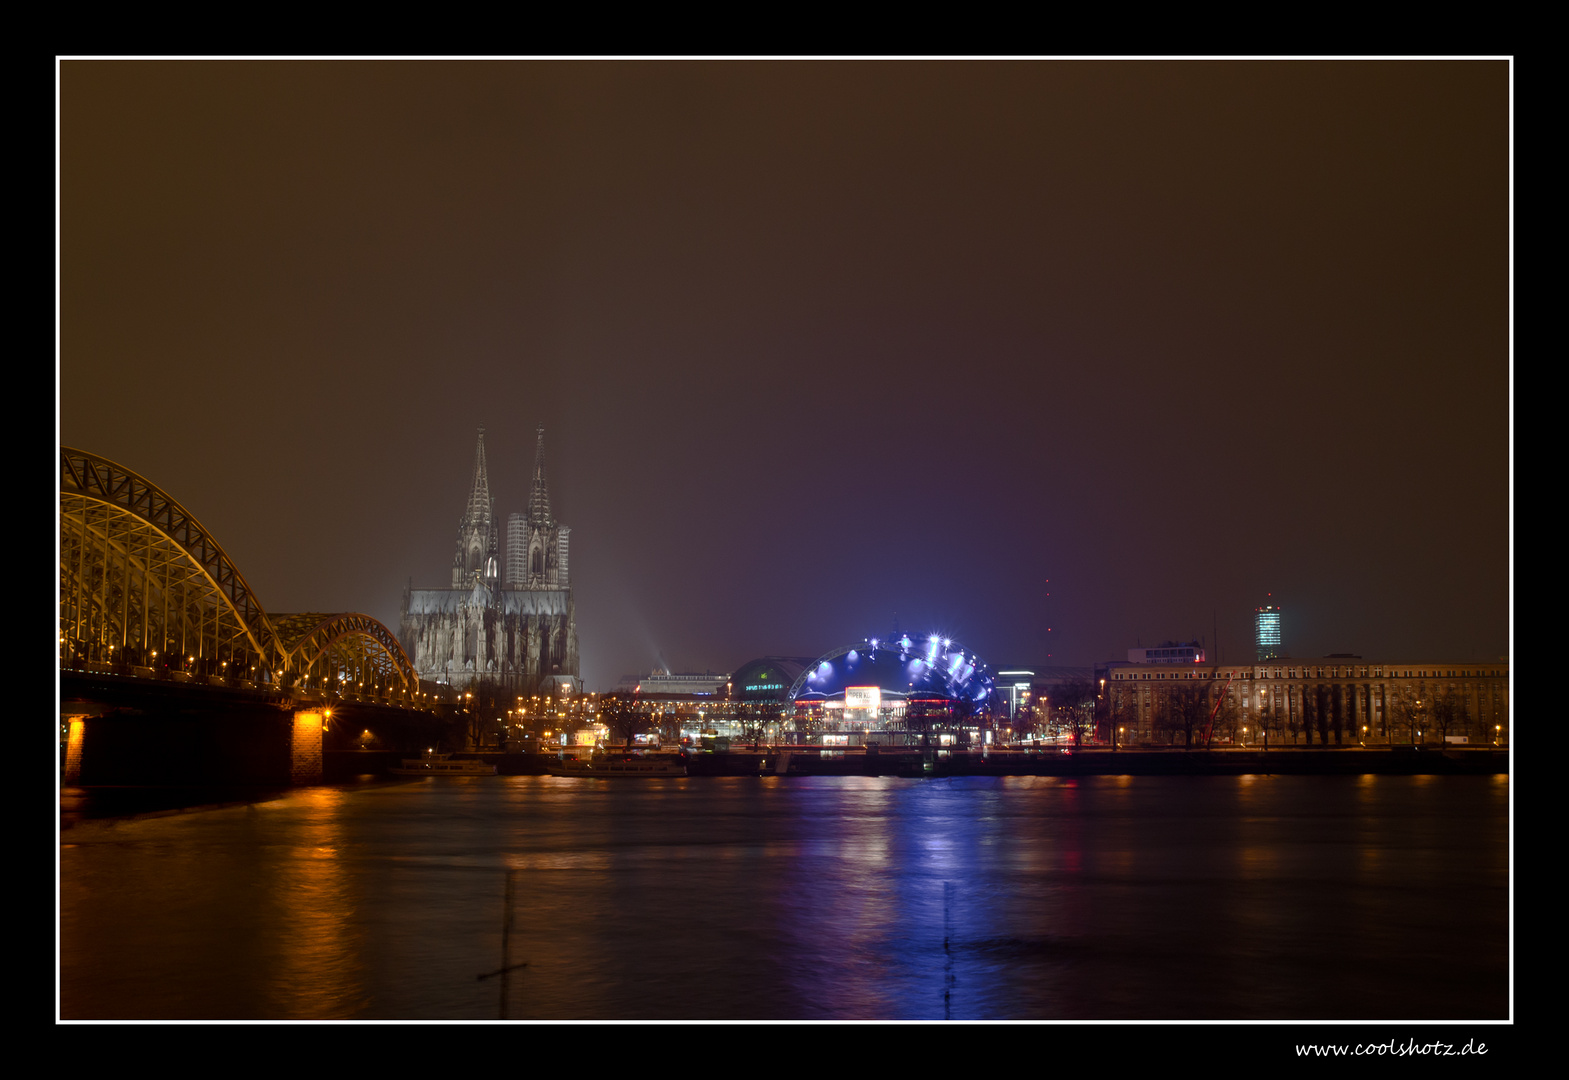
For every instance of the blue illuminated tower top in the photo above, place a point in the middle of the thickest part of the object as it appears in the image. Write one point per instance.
(1267, 631)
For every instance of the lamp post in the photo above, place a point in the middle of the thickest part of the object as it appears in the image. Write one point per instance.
(1099, 699)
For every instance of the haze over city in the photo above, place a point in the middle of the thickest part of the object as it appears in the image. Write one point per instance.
(1051, 356)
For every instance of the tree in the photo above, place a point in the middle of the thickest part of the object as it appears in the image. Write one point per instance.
(1187, 710)
(1104, 720)
(753, 721)
(623, 718)
(1402, 706)
(1228, 718)
(1125, 713)
(1024, 721)
(1073, 704)
(1449, 711)
(472, 722)
(1271, 720)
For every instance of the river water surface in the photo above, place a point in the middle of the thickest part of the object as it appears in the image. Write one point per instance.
(801, 898)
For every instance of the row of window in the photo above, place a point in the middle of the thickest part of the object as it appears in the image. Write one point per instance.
(1319, 673)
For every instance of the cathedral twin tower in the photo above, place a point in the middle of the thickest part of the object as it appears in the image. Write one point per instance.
(511, 629)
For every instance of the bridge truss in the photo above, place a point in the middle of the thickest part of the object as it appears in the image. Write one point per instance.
(344, 654)
(146, 590)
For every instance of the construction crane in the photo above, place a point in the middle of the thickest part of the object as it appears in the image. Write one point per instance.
(1209, 725)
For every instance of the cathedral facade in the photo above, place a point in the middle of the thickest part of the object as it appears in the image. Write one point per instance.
(503, 626)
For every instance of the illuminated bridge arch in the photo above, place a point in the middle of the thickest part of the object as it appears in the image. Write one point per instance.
(348, 654)
(143, 583)
(145, 589)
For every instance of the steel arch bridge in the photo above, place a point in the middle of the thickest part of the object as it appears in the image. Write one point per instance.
(344, 654)
(146, 590)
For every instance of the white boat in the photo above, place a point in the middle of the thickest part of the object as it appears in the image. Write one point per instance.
(607, 765)
(443, 765)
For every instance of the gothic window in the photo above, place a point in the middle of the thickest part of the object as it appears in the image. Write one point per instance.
(537, 562)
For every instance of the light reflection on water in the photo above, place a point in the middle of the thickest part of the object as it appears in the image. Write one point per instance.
(1117, 897)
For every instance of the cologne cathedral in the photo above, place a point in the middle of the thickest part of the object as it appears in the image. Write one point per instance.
(504, 626)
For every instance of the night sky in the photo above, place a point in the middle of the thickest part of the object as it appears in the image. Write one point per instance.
(1054, 357)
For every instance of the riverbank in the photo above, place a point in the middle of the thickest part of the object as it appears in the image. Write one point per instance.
(1054, 761)
(1294, 761)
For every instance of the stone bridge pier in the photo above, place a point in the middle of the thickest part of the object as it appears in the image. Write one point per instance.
(305, 744)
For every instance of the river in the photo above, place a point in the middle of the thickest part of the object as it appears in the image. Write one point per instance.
(1251, 897)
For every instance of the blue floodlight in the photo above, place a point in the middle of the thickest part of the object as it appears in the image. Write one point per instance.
(951, 672)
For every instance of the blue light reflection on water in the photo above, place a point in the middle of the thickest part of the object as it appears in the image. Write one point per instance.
(809, 898)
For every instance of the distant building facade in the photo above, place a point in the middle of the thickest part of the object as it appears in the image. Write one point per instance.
(1168, 652)
(1334, 700)
(513, 630)
(702, 684)
(1013, 692)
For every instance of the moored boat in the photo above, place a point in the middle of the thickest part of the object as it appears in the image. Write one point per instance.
(443, 765)
(609, 765)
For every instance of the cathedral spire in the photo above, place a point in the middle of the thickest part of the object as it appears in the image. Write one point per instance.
(539, 498)
(478, 533)
(479, 508)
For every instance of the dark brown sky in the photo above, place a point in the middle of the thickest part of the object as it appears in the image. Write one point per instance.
(820, 345)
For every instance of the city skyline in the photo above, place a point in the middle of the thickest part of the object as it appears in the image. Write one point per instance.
(1051, 356)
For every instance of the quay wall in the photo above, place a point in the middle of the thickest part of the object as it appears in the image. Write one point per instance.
(1098, 762)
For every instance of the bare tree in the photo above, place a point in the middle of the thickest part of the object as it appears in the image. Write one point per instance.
(1023, 721)
(1402, 708)
(1104, 720)
(753, 722)
(1271, 718)
(1125, 713)
(1072, 704)
(1449, 711)
(1187, 710)
(623, 717)
(1229, 717)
